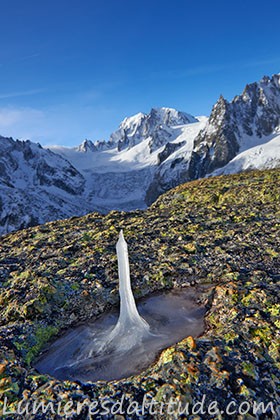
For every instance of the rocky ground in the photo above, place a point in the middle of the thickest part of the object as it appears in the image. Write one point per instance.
(222, 232)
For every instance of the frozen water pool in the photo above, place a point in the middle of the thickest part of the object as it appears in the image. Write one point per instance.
(85, 354)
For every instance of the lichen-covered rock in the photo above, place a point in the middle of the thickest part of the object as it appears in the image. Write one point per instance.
(221, 232)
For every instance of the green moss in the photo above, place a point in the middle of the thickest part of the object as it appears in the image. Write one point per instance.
(75, 286)
(62, 271)
(86, 237)
(274, 351)
(249, 369)
(24, 275)
(40, 337)
(277, 323)
(262, 334)
(190, 248)
(271, 252)
(167, 355)
(230, 337)
(244, 390)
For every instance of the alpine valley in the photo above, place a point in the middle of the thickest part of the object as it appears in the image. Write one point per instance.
(148, 155)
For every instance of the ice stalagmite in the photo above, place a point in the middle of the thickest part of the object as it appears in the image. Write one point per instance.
(131, 327)
(113, 347)
(129, 317)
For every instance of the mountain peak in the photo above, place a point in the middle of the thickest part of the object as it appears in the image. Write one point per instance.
(86, 145)
(274, 79)
(141, 126)
(236, 126)
(171, 116)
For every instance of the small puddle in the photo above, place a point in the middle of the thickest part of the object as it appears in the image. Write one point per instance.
(171, 315)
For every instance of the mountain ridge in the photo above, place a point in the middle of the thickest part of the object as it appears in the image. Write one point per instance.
(147, 155)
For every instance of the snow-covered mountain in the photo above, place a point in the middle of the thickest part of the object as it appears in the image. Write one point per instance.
(154, 126)
(147, 155)
(118, 173)
(36, 185)
(233, 127)
(229, 139)
(263, 156)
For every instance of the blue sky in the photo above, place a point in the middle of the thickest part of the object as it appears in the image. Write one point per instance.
(73, 69)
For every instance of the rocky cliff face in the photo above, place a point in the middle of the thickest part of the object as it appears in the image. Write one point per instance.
(217, 144)
(250, 119)
(28, 164)
(252, 115)
(36, 185)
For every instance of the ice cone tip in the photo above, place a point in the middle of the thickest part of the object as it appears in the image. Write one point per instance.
(121, 241)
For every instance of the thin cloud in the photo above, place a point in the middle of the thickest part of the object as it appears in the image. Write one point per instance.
(261, 62)
(21, 93)
(11, 117)
(195, 71)
(20, 59)
(28, 57)
(204, 70)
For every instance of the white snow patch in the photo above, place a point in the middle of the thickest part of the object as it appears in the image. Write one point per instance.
(264, 156)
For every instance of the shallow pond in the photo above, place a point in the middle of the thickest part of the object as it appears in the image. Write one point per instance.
(172, 316)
